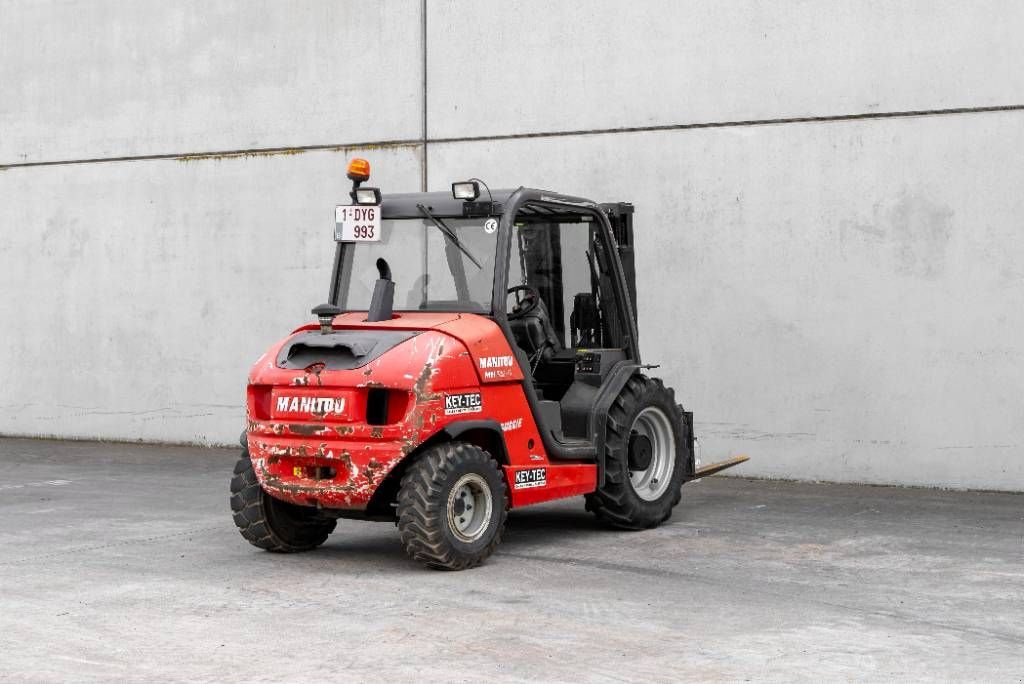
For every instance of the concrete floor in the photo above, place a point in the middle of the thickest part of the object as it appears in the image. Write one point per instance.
(121, 561)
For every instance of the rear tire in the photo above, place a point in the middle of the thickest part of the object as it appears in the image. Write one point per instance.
(452, 507)
(270, 523)
(637, 499)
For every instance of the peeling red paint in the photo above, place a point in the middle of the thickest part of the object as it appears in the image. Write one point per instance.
(428, 366)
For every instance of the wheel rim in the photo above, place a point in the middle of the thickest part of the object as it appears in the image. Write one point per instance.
(651, 483)
(469, 507)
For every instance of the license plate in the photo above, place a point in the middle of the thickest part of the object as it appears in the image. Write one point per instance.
(356, 223)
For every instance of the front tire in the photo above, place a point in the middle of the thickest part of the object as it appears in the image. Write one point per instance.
(452, 507)
(270, 523)
(644, 457)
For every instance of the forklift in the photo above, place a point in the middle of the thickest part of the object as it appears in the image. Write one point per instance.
(478, 352)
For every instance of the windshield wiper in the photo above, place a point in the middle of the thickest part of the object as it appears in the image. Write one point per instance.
(448, 233)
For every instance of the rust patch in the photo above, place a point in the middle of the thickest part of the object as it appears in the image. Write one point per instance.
(306, 429)
(422, 387)
(346, 459)
(344, 430)
(274, 482)
(377, 432)
(316, 369)
(371, 469)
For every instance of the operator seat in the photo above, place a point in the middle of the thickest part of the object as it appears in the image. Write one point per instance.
(535, 335)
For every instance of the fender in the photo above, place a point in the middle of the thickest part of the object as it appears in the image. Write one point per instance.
(495, 436)
(490, 432)
(617, 379)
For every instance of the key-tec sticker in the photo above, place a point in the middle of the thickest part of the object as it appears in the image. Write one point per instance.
(531, 477)
(455, 404)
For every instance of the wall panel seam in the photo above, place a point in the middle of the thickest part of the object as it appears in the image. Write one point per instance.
(425, 140)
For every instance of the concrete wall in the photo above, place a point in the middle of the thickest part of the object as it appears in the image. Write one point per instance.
(842, 299)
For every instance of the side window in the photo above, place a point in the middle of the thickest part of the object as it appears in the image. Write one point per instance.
(577, 275)
(566, 262)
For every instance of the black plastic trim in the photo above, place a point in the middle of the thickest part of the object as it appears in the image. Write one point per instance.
(364, 346)
(514, 203)
(556, 449)
(458, 428)
(691, 459)
(610, 389)
(444, 205)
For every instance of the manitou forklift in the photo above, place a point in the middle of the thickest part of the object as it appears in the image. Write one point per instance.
(478, 352)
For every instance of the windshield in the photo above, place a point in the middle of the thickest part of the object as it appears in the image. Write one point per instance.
(430, 271)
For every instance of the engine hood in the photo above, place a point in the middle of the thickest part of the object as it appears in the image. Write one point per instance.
(358, 347)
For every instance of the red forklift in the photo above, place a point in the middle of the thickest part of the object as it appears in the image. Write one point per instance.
(478, 352)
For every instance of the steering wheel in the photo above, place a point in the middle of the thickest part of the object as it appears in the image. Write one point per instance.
(527, 299)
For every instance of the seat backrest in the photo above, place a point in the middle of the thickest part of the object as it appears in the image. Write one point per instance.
(534, 333)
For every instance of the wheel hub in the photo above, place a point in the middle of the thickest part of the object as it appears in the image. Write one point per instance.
(640, 451)
(652, 453)
(469, 507)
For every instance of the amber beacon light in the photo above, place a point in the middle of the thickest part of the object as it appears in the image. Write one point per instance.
(359, 170)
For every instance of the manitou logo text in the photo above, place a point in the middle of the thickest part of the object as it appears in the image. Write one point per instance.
(497, 366)
(316, 405)
(487, 362)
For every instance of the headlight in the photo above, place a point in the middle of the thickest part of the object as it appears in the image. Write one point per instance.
(466, 190)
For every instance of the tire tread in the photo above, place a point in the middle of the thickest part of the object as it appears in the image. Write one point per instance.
(249, 504)
(422, 515)
(614, 503)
